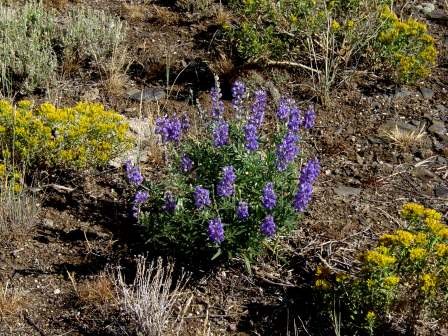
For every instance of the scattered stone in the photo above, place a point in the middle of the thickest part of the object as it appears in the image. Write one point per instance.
(426, 7)
(442, 109)
(57, 291)
(441, 160)
(438, 16)
(375, 140)
(427, 93)
(391, 126)
(147, 94)
(48, 223)
(91, 94)
(232, 327)
(441, 191)
(401, 92)
(424, 173)
(134, 155)
(140, 126)
(438, 129)
(346, 191)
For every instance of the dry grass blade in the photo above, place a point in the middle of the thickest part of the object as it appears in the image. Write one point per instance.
(405, 138)
(153, 296)
(11, 303)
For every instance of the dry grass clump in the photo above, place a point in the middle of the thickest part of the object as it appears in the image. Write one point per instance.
(133, 11)
(12, 303)
(98, 292)
(196, 6)
(150, 301)
(405, 139)
(18, 210)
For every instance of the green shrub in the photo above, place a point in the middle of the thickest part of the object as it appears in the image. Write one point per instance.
(82, 136)
(405, 276)
(27, 58)
(406, 46)
(33, 39)
(329, 36)
(234, 187)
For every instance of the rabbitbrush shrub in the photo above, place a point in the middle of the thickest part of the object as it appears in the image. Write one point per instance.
(232, 186)
(82, 136)
(404, 278)
(332, 36)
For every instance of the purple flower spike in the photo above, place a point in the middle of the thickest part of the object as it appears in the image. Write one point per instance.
(287, 151)
(186, 164)
(268, 226)
(269, 197)
(170, 202)
(133, 173)
(217, 104)
(141, 197)
(238, 91)
(201, 197)
(170, 129)
(226, 185)
(221, 134)
(310, 118)
(242, 211)
(251, 137)
(309, 171)
(258, 108)
(295, 119)
(184, 122)
(303, 197)
(283, 109)
(216, 230)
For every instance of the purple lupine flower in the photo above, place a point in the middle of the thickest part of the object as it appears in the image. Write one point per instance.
(217, 103)
(309, 171)
(216, 230)
(268, 226)
(308, 175)
(295, 119)
(139, 198)
(269, 197)
(287, 151)
(221, 134)
(186, 164)
(184, 122)
(226, 186)
(258, 108)
(169, 202)
(201, 197)
(303, 196)
(170, 129)
(283, 109)
(309, 118)
(250, 137)
(242, 211)
(238, 91)
(133, 173)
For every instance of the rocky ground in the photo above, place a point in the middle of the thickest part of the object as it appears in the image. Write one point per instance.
(368, 172)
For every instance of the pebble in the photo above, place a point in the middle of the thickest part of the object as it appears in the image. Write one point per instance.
(426, 7)
(57, 291)
(147, 94)
(427, 93)
(441, 191)
(346, 191)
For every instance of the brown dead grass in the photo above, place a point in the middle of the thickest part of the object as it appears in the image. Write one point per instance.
(134, 12)
(58, 4)
(98, 292)
(12, 303)
(405, 139)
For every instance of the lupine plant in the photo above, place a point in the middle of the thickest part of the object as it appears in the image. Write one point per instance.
(233, 188)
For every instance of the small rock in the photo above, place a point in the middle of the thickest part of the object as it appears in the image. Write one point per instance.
(57, 291)
(441, 191)
(401, 92)
(375, 140)
(232, 327)
(424, 173)
(48, 223)
(438, 128)
(91, 95)
(346, 191)
(141, 127)
(427, 8)
(442, 109)
(147, 94)
(426, 92)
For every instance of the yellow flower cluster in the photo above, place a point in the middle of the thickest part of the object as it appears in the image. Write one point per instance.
(380, 256)
(429, 282)
(76, 137)
(406, 45)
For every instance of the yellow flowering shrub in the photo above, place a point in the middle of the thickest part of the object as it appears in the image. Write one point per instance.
(82, 136)
(405, 275)
(406, 46)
